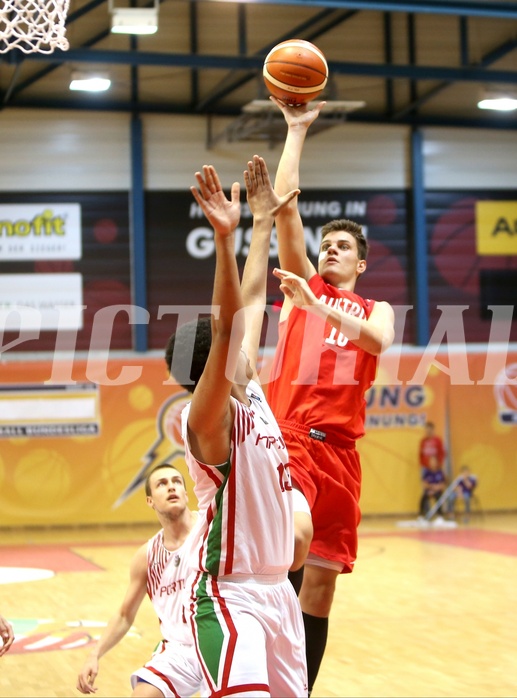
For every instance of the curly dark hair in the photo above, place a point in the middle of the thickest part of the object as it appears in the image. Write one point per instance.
(346, 226)
(187, 351)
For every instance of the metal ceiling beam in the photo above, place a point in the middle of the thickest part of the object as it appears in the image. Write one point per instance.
(247, 63)
(50, 68)
(388, 59)
(500, 121)
(467, 8)
(306, 30)
(194, 44)
(10, 90)
(487, 60)
(73, 16)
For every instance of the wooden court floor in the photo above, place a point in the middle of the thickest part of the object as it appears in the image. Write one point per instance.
(426, 613)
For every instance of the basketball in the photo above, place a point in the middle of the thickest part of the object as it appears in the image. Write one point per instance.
(295, 71)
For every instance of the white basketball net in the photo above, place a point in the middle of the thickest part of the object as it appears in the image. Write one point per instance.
(33, 26)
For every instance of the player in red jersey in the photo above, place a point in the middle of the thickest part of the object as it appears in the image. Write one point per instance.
(431, 446)
(329, 342)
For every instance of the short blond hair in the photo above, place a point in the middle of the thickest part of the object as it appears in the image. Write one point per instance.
(158, 467)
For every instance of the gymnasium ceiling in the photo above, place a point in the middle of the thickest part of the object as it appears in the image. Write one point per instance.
(421, 63)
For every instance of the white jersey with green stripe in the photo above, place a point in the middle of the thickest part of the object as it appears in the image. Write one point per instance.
(166, 574)
(245, 524)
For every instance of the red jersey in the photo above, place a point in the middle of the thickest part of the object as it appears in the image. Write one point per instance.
(431, 446)
(319, 377)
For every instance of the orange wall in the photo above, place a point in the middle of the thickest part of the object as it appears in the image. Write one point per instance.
(77, 478)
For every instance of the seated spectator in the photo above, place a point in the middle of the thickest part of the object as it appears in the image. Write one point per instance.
(434, 484)
(467, 483)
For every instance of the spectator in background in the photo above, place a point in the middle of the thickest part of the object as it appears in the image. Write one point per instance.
(431, 446)
(434, 484)
(467, 483)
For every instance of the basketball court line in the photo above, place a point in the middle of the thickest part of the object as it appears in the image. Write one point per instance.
(59, 558)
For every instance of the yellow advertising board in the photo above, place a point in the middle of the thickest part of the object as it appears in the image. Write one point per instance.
(496, 227)
(77, 452)
(396, 415)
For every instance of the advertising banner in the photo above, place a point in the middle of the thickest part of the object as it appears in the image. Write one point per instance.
(40, 231)
(483, 432)
(78, 451)
(181, 251)
(496, 227)
(41, 302)
(471, 263)
(62, 262)
(396, 414)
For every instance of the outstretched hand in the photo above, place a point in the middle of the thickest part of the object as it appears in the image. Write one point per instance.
(295, 288)
(300, 115)
(223, 214)
(262, 198)
(86, 679)
(6, 634)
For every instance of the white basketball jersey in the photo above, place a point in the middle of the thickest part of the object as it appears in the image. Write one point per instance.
(166, 574)
(245, 523)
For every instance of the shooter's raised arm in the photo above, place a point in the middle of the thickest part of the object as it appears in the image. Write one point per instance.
(291, 240)
(264, 204)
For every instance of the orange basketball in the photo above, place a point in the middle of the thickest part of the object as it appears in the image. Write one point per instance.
(295, 71)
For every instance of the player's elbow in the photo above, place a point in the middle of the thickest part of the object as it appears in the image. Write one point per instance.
(382, 341)
(386, 341)
(382, 329)
(230, 331)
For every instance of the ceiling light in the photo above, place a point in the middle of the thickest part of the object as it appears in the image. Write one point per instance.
(134, 20)
(90, 82)
(498, 102)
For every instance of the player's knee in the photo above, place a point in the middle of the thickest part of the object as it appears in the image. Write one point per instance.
(318, 592)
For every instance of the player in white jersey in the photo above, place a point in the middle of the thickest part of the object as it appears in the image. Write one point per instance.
(244, 613)
(160, 568)
(231, 499)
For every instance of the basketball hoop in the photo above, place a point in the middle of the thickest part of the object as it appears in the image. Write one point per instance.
(33, 26)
